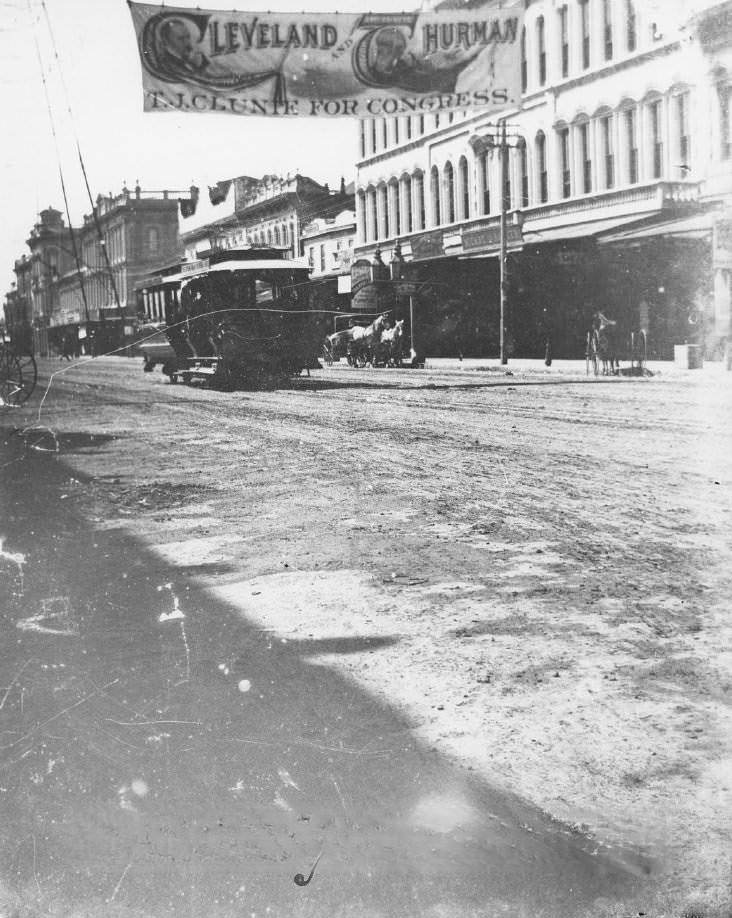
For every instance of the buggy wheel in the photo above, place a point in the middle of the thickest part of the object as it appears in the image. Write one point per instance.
(28, 376)
(11, 380)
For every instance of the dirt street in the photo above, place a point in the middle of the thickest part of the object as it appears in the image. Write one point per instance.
(484, 618)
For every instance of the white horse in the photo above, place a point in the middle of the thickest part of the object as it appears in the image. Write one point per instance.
(391, 343)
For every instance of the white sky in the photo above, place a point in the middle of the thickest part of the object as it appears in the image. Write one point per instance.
(99, 63)
(100, 66)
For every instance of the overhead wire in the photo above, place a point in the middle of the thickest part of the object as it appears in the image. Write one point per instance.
(74, 248)
(95, 215)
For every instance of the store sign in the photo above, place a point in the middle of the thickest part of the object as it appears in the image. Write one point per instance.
(488, 238)
(360, 275)
(329, 64)
(428, 245)
(194, 267)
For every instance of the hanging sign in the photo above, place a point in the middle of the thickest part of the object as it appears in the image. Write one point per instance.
(320, 64)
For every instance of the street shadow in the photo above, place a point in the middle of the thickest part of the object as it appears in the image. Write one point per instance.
(324, 385)
(160, 754)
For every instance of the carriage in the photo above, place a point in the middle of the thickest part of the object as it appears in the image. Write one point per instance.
(602, 349)
(377, 344)
(244, 319)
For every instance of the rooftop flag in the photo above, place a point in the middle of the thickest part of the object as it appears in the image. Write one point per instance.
(329, 64)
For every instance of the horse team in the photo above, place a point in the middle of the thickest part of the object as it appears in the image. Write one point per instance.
(378, 344)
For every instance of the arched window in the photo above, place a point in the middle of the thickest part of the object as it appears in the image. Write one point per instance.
(449, 185)
(435, 195)
(372, 222)
(419, 209)
(654, 133)
(541, 49)
(543, 184)
(680, 116)
(382, 210)
(484, 181)
(407, 221)
(606, 167)
(523, 164)
(524, 62)
(269, 237)
(464, 189)
(285, 240)
(582, 129)
(361, 215)
(565, 161)
(630, 143)
(277, 236)
(394, 208)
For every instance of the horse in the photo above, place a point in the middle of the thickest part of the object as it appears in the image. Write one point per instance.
(363, 339)
(606, 343)
(391, 343)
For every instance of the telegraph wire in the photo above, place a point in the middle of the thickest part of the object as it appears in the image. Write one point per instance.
(95, 216)
(49, 108)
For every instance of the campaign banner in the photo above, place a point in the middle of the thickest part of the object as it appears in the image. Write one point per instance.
(328, 65)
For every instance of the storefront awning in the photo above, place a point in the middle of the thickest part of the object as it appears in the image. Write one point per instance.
(579, 230)
(698, 226)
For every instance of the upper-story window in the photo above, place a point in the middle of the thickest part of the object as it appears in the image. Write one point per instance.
(372, 222)
(543, 183)
(409, 127)
(485, 183)
(523, 163)
(607, 28)
(322, 257)
(361, 212)
(464, 186)
(407, 213)
(383, 211)
(384, 133)
(421, 124)
(449, 176)
(584, 8)
(396, 130)
(631, 144)
(362, 138)
(607, 141)
(724, 91)
(435, 195)
(656, 138)
(311, 256)
(564, 38)
(565, 162)
(541, 49)
(373, 135)
(419, 210)
(583, 137)
(683, 131)
(524, 62)
(153, 240)
(631, 25)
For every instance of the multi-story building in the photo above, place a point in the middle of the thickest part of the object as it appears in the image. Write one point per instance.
(124, 237)
(36, 295)
(616, 180)
(328, 243)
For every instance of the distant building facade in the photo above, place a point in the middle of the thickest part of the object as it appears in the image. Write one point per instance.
(125, 236)
(616, 188)
(328, 244)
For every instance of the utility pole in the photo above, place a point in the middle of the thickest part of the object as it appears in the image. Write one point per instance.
(503, 153)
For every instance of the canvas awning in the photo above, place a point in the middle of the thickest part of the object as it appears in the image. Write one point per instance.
(698, 226)
(578, 230)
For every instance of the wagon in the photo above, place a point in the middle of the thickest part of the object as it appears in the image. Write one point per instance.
(18, 371)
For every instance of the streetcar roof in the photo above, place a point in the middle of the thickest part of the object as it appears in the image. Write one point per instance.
(270, 264)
